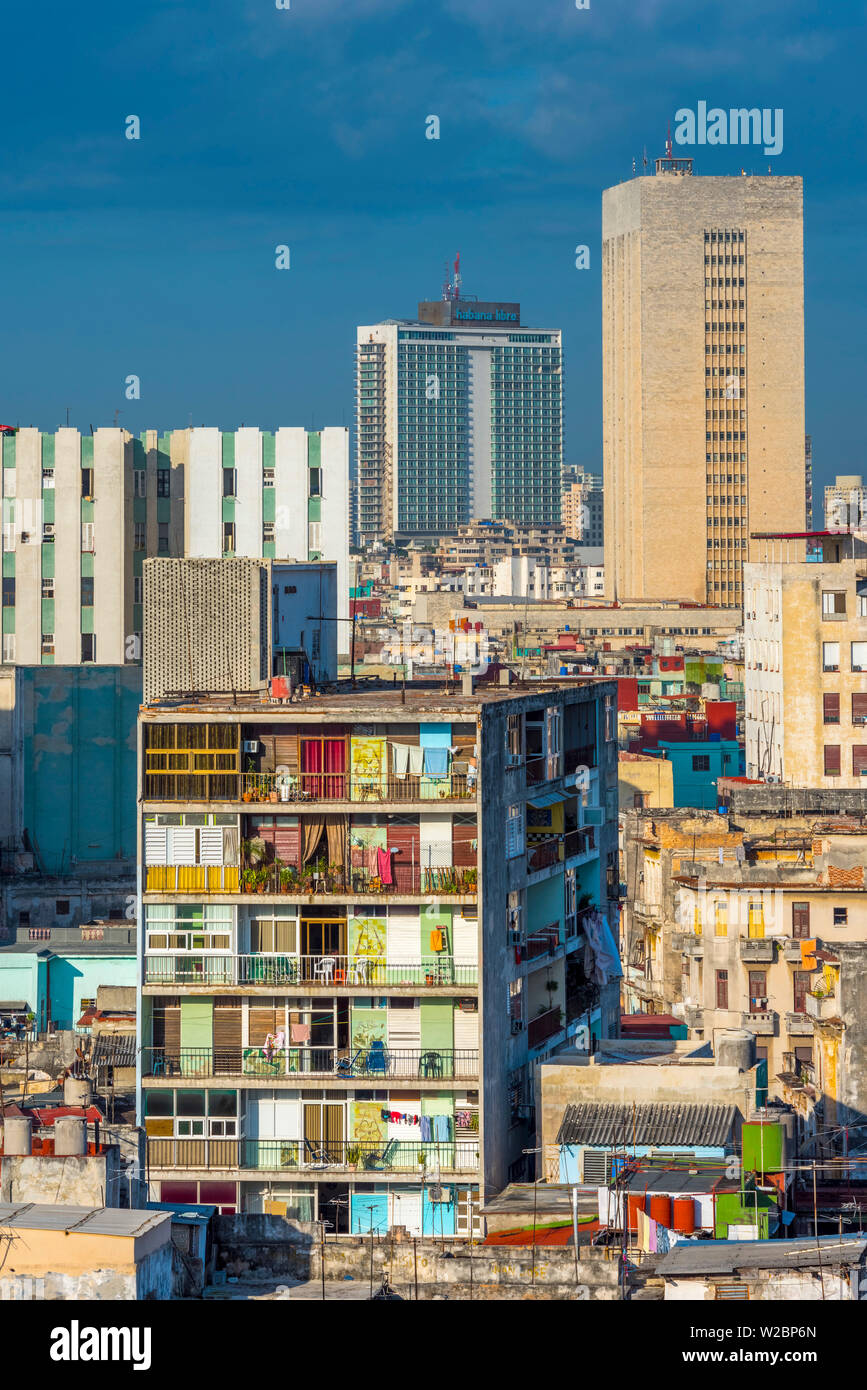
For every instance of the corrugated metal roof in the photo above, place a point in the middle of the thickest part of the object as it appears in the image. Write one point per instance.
(114, 1051)
(661, 1124)
(730, 1256)
(100, 1221)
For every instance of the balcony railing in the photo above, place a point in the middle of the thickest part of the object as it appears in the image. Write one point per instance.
(327, 970)
(410, 1064)
(398, 1156)
(192, 878)
(270, 787)
(287, 880)
(544, 1027)
(543, 942)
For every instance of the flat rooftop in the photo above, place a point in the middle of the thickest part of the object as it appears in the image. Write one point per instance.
(418, 698)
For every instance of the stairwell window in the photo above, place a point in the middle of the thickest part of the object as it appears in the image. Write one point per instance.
(87, 483)
(228, 537)
(88, 647)
(164, 482)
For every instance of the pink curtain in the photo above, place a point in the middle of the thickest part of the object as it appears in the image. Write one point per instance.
(335, 762)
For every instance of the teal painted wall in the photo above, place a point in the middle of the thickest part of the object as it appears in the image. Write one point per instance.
(74, 978)
(19, 979)
(545, 902)
(78, 762)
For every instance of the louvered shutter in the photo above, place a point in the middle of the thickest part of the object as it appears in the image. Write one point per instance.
(155, 844)
(182, 844)
(211, 844)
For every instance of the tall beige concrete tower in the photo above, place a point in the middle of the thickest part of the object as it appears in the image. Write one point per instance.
(703, 378)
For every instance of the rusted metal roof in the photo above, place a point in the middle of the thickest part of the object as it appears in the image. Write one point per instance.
(660, 1124)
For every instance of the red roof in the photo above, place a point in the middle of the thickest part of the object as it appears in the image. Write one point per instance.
(60, 1112)
(549, 1235)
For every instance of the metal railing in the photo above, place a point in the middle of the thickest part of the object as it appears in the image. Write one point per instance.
(403, 1156)
(287, 881)
(326, 970)
(344, 786)
(411, 1064)
(543, 942)
(544, 1027)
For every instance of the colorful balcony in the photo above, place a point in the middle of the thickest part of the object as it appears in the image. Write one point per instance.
(324, 971)
(292, 788)
(324, 1063)
(389, 1156)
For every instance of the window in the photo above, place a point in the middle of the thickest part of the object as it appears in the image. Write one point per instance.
(138, 589)
(831, 709)
(47, 478)
(833, 605)
(841, 916)
(267, 477)
(800, 990)
(516, 1004)
(86, 591)
(8, 646)
(48, 588)
(24, 918)
(48, 533)
(639, 800)
(163, 537)
(722, 989)
(267, 532)
(8, 593)
(758, 980)
(859, 760)
(164, 482)
(88, 646)
(87, 482)
(61, 907)
(514, 740)
(139, 482)
(800, 921)
(315, 482)
(139, 535)
(228, 537)
(87, 536)
(701, 762)
(314, 537)
(830, 656)
(48, 644)
(859, 707)
(832, 760)
(859, 656)
(721, 919)
(515, 831)
(229, 477)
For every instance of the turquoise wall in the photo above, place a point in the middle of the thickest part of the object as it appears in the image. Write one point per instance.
(26, 975)
(545, 902)
(78, 762)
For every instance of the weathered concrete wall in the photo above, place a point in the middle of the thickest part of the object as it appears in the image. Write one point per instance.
(89, 1181)
(100, 1284)
(262, 1247)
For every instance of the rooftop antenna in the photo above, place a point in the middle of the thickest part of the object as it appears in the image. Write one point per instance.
(456, 284)
(446, 284)
(668, 149)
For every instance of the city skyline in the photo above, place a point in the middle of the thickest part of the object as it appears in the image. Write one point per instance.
(185, 299)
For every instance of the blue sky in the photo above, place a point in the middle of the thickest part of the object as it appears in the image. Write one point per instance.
(306, 127)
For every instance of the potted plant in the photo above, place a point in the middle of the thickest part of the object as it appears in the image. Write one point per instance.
(428, 977)
(353, 1155)
(288, 878)
(422, 1159)
(248, 880)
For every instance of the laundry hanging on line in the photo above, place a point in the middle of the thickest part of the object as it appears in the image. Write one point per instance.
(436, 762)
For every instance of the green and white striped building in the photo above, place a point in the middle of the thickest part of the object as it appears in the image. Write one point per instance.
(81, 513)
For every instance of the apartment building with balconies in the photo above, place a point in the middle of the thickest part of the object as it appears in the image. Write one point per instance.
(364, 916)
(805, 660)
(757, 922)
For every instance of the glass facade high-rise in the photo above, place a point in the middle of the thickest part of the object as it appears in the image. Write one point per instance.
(460, 418)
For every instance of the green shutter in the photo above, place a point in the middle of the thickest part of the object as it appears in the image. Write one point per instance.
(48, 562)
(314, 450)
(48, 615)
(87, 564)
(228, 451)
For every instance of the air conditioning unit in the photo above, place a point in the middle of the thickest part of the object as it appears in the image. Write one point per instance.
(251, 745)
(517, 1025)
(516, 936)
(25, 537)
